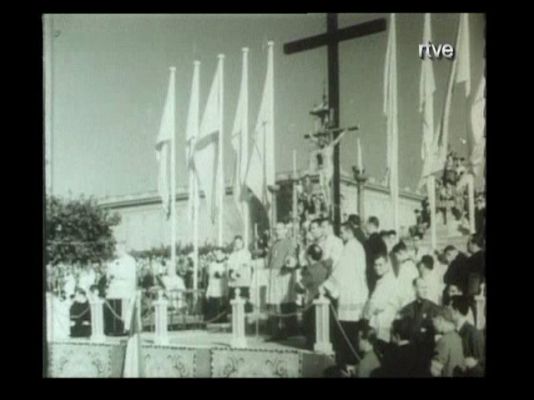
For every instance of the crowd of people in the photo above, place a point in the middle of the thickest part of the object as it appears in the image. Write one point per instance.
(452, 199)
(396, 309)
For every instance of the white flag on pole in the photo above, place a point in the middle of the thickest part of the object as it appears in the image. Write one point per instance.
(463, 55)
(460, 72)
(261, 168)
(240, 136)
(191, 134)
(427, 87)
(207, 146)
(478, 129)
(390, 110)
(163, 143)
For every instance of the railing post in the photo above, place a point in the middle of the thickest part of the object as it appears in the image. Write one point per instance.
(97, 318)
(238, 321)
(161, 336)
(322, 325)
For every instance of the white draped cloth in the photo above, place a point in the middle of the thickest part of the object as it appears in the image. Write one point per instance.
(383, 306)
(332, 247)
(348, 283)
(123, 284)
(240, 262)
(407, 274)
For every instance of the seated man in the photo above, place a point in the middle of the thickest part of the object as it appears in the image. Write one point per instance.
(80, 315)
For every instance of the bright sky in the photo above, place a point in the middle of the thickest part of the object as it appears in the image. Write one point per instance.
(111, 74)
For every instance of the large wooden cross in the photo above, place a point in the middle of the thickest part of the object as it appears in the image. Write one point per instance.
(331, 39)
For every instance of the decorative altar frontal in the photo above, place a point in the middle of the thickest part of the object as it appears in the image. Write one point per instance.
(84, 359)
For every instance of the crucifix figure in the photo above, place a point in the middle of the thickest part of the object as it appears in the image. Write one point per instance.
(331, 39)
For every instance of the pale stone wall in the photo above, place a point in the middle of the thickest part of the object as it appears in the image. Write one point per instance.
(143, 224)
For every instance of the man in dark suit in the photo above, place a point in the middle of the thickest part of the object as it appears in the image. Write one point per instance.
(476, 265)
(457, 273)
(400, 358)
(473, 341)
(373, 245)
(312, 276)
(418, 315)
(355, 221)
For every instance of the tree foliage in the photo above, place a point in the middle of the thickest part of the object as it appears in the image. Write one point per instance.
(78, 231)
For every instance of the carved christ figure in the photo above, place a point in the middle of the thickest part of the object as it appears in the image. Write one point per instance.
(322, 161)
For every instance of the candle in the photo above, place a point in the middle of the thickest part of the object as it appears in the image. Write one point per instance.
(359, 151)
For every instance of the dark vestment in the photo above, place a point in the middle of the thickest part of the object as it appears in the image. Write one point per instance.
(373, 245)
(399, 362)
(80, 314)
(457, 273)
(476, 272)
(420, 313)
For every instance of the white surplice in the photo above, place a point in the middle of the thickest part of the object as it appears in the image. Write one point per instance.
(347, 282)
(384, 303)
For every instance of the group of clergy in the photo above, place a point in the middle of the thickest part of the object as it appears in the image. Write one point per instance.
(369, 277)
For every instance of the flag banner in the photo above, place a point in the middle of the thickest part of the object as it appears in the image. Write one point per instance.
(163, 143)
(460, 72)
(191, 135)
(478, 130)
(463, 55)
(240, 137)
(427, 87)
(206, 156)
(390, 110)
(261, 167)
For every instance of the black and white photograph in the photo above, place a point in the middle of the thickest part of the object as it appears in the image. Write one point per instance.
(264, 195)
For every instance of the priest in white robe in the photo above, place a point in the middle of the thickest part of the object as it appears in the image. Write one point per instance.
(348, 286)
(385, 301)
(406, 273)
(122, 278)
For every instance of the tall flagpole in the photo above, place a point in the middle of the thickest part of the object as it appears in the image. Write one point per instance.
(221, 191)
(48, 45)
(173, 180)
(196, 198)
(244, 145)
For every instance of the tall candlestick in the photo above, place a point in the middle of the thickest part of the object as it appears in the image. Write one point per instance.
(360, 159)
(294, 164)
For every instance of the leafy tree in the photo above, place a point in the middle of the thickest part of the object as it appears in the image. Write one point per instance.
(78, 231)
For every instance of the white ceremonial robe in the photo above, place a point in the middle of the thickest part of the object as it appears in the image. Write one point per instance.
(174, 284)
(407, 274)
(69, 286)
(383, 306)
(87, 279)
(60, 318)
(216, 285)
(348, 283)
(123, 284)
(332, 247)
(434, 288)
(240, 262)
